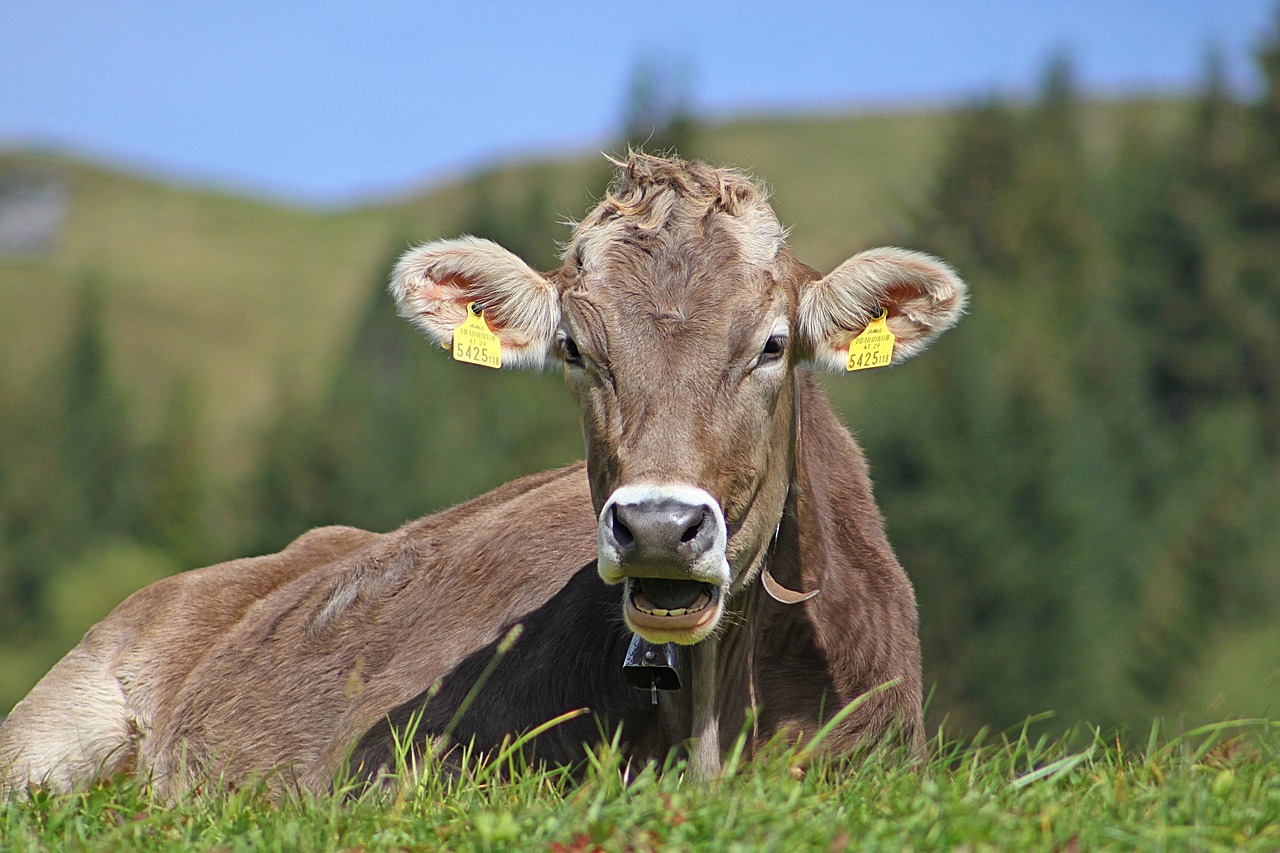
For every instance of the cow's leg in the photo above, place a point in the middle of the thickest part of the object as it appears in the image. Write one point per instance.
(72, 728)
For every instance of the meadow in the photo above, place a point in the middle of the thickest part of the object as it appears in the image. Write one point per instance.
(1212, 788)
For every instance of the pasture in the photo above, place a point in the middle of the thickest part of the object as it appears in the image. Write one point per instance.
(1213, 788)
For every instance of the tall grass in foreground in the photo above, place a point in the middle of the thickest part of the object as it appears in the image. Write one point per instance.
(1215, 788)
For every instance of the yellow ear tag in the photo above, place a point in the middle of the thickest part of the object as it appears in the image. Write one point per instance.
(874, 347)
(473, 342)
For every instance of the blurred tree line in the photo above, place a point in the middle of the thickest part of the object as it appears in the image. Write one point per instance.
(1085, 483)
(1082, 479)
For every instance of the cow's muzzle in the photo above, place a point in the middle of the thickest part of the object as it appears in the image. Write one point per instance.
(666, 544)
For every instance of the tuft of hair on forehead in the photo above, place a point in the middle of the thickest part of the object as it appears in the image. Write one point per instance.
(650, 193)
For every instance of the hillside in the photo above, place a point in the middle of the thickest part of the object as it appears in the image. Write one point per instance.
(240, 295)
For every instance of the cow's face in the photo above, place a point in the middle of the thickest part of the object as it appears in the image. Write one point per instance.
(678, 318)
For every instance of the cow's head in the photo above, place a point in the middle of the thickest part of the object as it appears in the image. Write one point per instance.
(678, 317)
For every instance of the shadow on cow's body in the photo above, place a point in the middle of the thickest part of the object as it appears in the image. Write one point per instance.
(716, 476)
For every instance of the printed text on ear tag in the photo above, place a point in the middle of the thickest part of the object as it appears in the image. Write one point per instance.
(872, 348)
(474, 343)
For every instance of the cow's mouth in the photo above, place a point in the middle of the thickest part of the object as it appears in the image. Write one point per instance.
(663, 610)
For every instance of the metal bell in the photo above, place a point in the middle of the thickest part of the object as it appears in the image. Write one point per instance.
(651, 666)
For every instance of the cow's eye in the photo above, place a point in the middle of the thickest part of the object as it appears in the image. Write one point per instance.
(774, 347)
(569, 347)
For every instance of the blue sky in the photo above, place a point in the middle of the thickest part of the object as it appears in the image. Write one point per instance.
(326, 102)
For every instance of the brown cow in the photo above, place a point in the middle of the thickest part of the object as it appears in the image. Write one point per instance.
(717, 482)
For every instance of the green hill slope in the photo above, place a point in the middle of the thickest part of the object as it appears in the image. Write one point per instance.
(224, 290)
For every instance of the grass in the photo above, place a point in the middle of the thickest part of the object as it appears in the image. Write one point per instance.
(1214, 788)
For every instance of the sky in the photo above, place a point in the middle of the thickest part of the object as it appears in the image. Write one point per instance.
(327, 103)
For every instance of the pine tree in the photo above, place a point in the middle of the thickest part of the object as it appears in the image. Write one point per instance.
(95, 448)
(71, 487)
(290, 481)
(174, 484)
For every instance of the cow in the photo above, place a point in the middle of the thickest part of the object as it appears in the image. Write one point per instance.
(723, 518)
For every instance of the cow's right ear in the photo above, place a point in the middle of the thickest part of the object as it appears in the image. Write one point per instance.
(434, 283)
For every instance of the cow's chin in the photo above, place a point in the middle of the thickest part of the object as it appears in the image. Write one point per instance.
(672, 611)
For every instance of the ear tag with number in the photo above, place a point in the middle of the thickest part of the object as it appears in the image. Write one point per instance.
(874, 347)
(474, 343)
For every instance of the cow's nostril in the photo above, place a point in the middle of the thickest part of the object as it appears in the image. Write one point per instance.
(692, 532)
(621, 533)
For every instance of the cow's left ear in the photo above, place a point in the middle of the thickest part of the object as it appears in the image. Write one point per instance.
(922, 297)
(433, 285)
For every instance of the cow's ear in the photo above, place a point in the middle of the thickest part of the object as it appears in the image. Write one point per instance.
(433, 285)
(921, 296)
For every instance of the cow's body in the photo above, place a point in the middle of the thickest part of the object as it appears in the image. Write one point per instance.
(292, 664)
